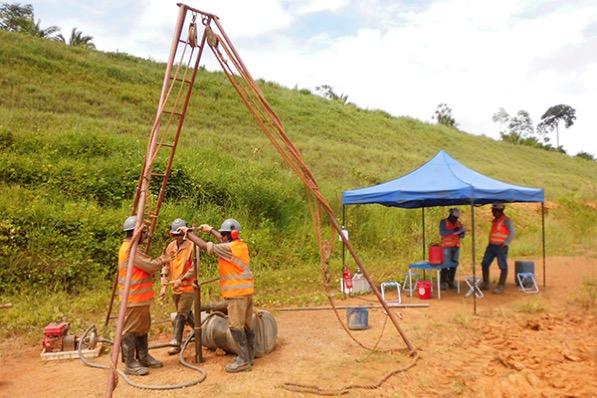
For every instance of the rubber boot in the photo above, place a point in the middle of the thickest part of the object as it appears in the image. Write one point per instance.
(251, 345)
(132, 366)
(177, 331)
(502, 282)
(451, 277)
(143, 353)
(443, 279)
(485, 283)
(191, 320)
(241, 363)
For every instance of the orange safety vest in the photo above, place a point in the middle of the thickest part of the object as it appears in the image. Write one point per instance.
(141, 289)
(451, 240)
(182, 263)
(499, 231)
(236, 279)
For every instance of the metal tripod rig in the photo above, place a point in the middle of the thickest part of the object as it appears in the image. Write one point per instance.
(181, 70)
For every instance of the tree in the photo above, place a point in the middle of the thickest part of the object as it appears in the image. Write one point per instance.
(586, 155)
(328, 92)
(553, 116)
(77, 39)
(13, 17)
(517, 129)
(18, 18)
(443, 115)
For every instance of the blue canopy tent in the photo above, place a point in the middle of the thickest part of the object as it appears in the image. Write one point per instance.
(443, 181)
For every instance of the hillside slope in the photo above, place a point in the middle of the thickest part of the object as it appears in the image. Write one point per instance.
(73, 129)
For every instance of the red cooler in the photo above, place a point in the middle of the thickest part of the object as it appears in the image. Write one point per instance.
(424, 289)
(436, 255)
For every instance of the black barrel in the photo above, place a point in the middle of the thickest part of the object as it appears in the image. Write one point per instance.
(216, 334)
(523, 266)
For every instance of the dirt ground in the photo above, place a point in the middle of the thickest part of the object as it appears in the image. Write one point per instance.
(518, 345)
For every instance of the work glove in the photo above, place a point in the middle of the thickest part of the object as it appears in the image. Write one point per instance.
(205, 228)
(183, 230)
(177, 283)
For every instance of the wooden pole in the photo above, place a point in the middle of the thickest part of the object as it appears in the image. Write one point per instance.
(197, 323)
(474, 267)
(144, 187)
(343, 253)
(543, 241)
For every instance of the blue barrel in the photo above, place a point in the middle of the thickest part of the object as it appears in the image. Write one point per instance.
(357, 318)
(523, 266)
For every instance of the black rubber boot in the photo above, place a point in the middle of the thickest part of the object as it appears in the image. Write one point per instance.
(177, 331)
(251, 345)
(132, 366)
(485, 284)
(241, 363)
(443, 278)
(502, 282)
(143, 353)
(450, 278)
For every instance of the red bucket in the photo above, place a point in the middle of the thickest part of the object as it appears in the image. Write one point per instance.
(424, 290)
(436, 255)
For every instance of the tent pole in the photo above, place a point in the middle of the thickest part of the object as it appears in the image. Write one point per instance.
(343, 252)
(423, 227)
(474, 268)
(543, 240)
(343, 227)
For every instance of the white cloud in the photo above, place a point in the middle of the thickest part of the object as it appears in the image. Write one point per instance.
(401, 57)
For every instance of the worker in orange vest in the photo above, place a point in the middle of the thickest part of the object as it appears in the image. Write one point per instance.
(501, 235)
(451, 231)
(137, 319)
(180, 273)
(236, 284)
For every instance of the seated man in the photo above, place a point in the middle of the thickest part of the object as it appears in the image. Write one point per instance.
(451, 231)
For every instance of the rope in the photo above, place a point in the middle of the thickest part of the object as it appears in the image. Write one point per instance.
(132, 383)
(312, 389)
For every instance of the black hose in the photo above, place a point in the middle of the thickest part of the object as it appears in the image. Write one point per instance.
(130, 382)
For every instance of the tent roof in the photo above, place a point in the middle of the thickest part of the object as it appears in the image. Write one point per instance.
(442, 181)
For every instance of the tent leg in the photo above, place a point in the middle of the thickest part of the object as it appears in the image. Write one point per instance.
(474, 267)
(543, 240)
(424, 240)
(343, 252)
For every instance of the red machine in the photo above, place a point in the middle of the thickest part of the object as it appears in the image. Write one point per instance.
(56, 338)
(436, 255)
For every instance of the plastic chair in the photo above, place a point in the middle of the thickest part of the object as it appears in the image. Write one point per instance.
(473, 283)
(527, 282)
(391, 284)
(411, 277)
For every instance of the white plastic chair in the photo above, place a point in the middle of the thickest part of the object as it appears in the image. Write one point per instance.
(527, 279)
(389, 284)
(473, 283)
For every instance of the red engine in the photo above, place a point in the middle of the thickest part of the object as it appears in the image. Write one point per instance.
(54, 334)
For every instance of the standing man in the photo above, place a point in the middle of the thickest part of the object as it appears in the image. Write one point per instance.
(451, 231)
(180, 273)
(501, 235)
(236, 284)
(137, 319)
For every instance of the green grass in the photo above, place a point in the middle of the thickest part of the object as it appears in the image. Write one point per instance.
(73, 130)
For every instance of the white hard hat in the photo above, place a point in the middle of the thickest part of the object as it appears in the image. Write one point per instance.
(498, 206)
(129, 223)
(455, 212)
(230, 225)
(179, 222)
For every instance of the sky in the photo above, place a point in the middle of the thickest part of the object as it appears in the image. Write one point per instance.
(404, 57)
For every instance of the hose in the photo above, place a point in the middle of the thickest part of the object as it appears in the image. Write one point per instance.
(132, 383)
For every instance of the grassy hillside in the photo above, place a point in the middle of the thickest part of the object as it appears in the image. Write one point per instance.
(73, 130)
